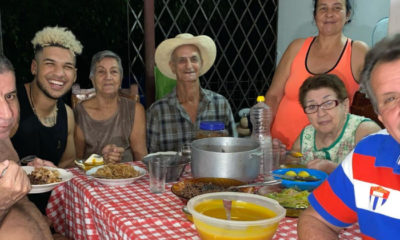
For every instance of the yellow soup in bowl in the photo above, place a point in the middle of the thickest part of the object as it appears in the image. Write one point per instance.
(240, 211)
(249, 220)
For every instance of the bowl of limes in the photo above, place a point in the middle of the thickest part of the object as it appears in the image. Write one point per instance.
(300, 178)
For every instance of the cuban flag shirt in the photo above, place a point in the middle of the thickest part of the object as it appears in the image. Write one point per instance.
(365, 188)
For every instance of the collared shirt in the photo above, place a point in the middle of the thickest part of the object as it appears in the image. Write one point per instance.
(169, 125)
(364, 188)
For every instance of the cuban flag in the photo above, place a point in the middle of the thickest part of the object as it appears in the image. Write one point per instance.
(377, 197)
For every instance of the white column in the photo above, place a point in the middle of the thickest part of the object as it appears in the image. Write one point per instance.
(394, 17)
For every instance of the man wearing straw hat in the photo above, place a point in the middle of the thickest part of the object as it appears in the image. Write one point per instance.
(173, 120)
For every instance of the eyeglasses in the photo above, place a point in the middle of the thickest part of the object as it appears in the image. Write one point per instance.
(325, 105)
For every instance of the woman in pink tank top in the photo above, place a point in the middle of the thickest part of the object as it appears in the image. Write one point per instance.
(328, 52)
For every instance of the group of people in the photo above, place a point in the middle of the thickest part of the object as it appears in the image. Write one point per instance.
(314, 84)
(36, 121)
(365, 186)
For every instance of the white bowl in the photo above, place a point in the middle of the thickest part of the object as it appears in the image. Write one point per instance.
(216, 228)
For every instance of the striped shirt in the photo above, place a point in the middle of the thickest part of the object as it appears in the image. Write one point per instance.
(364, 188)
(169, 125)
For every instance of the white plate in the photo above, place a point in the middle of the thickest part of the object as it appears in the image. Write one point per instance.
(41, 188)
(116, 182)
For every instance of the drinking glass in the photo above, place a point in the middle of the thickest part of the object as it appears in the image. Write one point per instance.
(157, 174)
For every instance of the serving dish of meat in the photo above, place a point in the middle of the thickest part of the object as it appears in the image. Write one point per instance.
(189, 188)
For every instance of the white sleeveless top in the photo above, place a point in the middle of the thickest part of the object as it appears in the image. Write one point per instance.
(339, 149)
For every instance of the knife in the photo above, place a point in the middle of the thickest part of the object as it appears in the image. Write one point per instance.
(296, 178)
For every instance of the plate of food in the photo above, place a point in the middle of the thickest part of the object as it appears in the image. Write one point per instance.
(44, 179)
(300, 178)
(295, 201)
(119, 174)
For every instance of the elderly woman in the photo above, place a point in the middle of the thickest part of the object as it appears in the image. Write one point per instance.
(333, 132)
(328, 52)
(108, 124)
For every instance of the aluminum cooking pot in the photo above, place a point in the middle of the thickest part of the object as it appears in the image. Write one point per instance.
(226, 157)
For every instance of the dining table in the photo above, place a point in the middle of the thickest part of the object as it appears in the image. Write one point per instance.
(83, 208)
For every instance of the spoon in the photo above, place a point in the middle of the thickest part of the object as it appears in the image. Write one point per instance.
(269, 182)
(227, 206)
(27, 159)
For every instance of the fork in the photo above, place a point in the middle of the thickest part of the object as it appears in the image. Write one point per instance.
(25, 160)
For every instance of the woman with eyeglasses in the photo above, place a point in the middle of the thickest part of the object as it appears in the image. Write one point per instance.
(333, 131)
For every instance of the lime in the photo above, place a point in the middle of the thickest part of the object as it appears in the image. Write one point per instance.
(303, 174)
(291, 173)
(296, 154)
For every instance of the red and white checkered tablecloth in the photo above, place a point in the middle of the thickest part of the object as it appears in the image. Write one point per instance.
(85, 209)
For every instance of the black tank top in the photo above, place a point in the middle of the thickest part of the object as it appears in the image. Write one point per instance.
(33, 138)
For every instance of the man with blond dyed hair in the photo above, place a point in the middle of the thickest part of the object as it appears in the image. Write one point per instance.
(47, 124)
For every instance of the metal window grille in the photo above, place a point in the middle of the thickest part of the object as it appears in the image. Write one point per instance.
(135, 42)
(244, 32)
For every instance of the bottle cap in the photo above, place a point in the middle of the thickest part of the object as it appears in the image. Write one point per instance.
(260, 99)
(212, 125)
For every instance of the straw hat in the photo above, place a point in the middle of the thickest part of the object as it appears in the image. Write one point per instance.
(205, 44)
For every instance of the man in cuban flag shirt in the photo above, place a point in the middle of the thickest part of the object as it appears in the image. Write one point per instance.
(365, 188)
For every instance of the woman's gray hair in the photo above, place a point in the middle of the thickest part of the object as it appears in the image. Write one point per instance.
(100, 56)
(387, 50)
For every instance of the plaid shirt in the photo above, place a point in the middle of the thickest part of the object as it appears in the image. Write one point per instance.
(169, 125)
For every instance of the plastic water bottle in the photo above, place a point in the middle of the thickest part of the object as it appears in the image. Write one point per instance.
(261, 117)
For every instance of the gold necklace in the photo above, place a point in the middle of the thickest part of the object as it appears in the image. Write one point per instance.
(48, 121)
